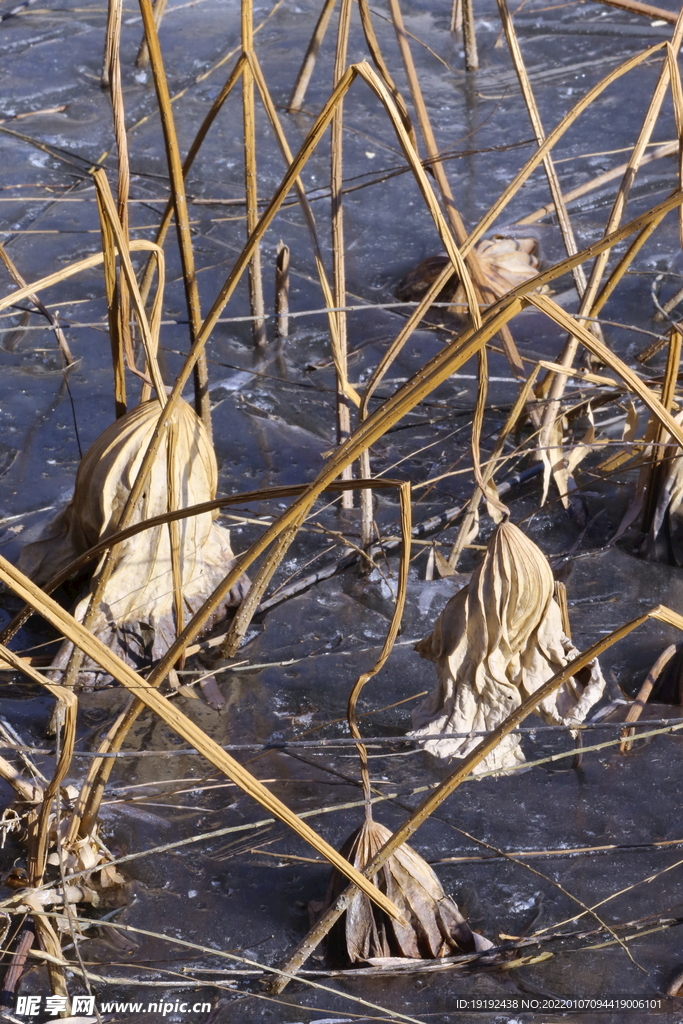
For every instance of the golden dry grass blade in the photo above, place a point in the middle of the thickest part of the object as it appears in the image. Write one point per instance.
(666, 149)
(677, 96)
(466, 527)
(380, 64)
(555, 135)
(251, 178)
(113, 56)
(245, 612)
(328, 297)
(136, 245)
(206, 124)
(637, 154)
(430, 376)
(392, 633)
(142, 59)
(647, 10)
(548, 165)
(42, 309)
(443, 184)
(123, 246)
(433, 800)
(658, 450)
(597, 348)
(111, 290)
(106, 659)
(338, 253)
(179, 199)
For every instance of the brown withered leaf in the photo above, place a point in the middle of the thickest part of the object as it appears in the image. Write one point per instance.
(496, 642)
(136, 615)
(364, 933)
(505, 263)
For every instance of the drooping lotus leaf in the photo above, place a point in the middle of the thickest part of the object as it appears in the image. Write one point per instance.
(505, 263)
(494, 644)
(136, 615)
(435, 928)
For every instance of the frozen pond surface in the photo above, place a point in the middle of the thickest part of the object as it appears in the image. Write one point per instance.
(247, 892)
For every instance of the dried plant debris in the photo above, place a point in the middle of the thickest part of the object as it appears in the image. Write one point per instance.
(496, 642)
(364, 934)
(136, 616)
(505, 263)
(664, 541)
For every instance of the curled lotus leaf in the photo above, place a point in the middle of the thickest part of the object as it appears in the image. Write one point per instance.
(136, 616)
(435, 928)
(495, 643)
(505, 263)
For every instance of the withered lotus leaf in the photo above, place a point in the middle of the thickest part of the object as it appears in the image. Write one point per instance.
(505, 263)
(136, 614)
(436, 927)
(496, 642)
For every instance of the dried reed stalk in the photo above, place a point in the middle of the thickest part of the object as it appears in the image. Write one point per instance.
(201, 376)
(469, 36)
(645, 9)
(433, 800)
(282, 289)
(149, 331)
(145, 692)
(665, 149)
(204, 128)
(93, 790)
(559, 381)
(548, 165)
(496, 209)
(477, 283)
(250, 176)
(430, 376)
(306, 69)
(337, 225)
(636, 709)
(469, 527)
(328, 297)
(111, 291)
(42, 309)
(142, 59)
(113, 51)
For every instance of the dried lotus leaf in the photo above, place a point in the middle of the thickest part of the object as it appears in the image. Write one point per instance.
(505, 263)
(436, 927)
(136, 617)
(494, 644)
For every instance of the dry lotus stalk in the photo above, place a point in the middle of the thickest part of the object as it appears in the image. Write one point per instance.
(365, 934)
(136, 616)
(505, 263)
(496, 642)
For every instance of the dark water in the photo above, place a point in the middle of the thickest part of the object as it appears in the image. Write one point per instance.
(246, 892)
